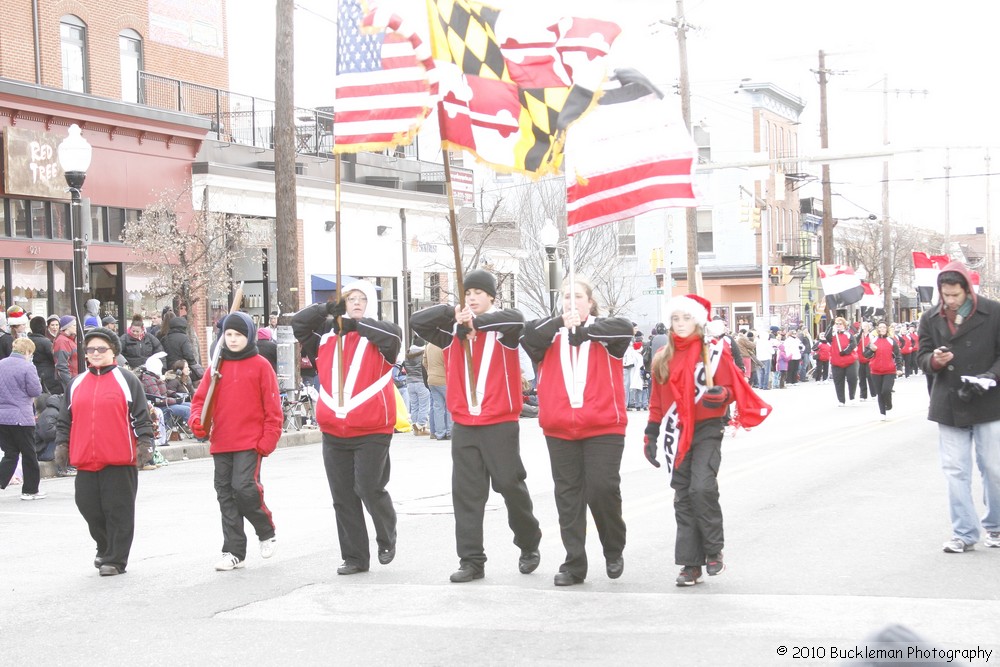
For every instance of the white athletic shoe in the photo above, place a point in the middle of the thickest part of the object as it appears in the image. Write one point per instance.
(268, 547)
(229, 562)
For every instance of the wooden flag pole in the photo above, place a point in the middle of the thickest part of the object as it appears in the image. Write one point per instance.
(338, 295)
(458, 263)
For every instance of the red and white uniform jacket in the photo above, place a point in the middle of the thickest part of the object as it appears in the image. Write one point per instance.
(843, 350)
(885, 357)
(495, 362)
(247, 407)
(581, 392)
(368, 405)
(864, 340)
(103, 417)
(906, 344)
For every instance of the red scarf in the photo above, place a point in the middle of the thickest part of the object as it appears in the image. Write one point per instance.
(687, 354)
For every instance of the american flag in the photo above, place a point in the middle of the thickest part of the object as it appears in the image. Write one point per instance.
(382, 89)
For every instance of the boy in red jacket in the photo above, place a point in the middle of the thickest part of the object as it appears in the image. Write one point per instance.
(246, 425)
(485, 445)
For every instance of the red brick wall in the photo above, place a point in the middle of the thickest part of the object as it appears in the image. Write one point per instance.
(104, 20)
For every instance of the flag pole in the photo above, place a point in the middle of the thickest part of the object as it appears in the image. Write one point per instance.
(339, 292)
(456, 249)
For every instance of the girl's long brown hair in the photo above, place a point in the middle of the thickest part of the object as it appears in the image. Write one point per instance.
(660, 364)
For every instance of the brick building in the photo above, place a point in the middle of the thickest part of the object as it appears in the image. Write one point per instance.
(80, 61)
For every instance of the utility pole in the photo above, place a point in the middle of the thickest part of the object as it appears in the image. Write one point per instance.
(682, 26)
(990, 268)
(824, 142)
(947, 201)
(286, 223)
(886, 235)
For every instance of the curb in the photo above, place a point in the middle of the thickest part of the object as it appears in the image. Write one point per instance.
(183, 450)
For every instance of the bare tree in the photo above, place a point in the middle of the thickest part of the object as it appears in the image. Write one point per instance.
(861, 244)
(188, 258)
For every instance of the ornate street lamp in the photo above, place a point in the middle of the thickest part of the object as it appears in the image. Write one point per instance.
(74, 158)
(549, 237)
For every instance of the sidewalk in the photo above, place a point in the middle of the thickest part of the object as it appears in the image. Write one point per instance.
(182, 450)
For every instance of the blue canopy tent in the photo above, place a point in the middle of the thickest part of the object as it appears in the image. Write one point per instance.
(324, 286)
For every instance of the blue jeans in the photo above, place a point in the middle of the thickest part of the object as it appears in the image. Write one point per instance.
(764, 375)
(440, 417)
(419, 403)
(956, 445)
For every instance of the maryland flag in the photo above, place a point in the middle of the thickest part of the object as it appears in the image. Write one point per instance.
(509, 89)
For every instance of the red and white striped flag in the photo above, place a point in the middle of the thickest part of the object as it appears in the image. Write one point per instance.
(925, 272)
(974, 275)
(382, 90)
(630, 155)
(873, 297)
(841, 286)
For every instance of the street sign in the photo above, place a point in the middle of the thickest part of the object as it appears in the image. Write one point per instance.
(647, 292)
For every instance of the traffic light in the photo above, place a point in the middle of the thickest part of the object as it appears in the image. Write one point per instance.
(745, 207)
(775, 273)
(755, 218)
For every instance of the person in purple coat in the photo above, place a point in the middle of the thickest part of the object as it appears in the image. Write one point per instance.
(19, 385)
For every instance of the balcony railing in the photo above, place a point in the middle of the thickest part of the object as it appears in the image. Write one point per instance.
(237, 118)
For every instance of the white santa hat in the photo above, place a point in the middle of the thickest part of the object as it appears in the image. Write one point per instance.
(698, 307)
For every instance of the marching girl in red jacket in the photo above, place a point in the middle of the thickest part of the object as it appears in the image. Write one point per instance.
(105, 421)
(844, 359)
(485, 438)
(822, 350)
(693, 413)
(583, 415)
(865, 387)
(884, 353)
(245, 428)
(357, 428)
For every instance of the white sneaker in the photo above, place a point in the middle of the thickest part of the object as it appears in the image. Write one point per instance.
(229, 562)
(34, 496)
(267, 547)
(957, 546)
(885, 418)
(992, 538)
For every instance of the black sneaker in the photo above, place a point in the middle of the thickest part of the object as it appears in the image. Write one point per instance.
(715, 565)
(689, 576)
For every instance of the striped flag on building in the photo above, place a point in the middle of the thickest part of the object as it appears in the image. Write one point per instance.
(840, 285)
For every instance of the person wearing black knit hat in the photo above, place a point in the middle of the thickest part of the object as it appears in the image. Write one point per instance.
(105, 423)
(43, 358)
(245, 427)
(485, 446)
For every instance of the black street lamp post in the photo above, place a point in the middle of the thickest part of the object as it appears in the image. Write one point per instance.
(74, 158)
(549, 236)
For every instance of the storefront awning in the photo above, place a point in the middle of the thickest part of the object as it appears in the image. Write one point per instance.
(327, 282)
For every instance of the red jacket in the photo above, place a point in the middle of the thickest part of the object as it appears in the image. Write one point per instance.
(602, 342)
(247, 413)
(498, 381)
(885, 357)
(842, 342)
(906, 344)
(864, 340)
(823, 351)
(103, 417)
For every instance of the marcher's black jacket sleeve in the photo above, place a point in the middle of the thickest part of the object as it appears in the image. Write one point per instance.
(435, 324)
(538, 336)
(308, 326)
(507, 323)
(311, 323)
(387, 336)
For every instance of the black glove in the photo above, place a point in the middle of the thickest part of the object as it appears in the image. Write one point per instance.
(715, 398)
(649, 443)
(844, 353)
(462, 331)
(336, 308)
(578, 336)
(348, 324)
(967, 392)
(143, 452)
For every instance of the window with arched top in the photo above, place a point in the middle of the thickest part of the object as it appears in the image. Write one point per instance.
(73, 43)
(130, 55)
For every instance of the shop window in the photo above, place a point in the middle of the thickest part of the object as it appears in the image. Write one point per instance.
(39, 220)
(130, 54)
(98, 230)
(116, 224)
(29, 285)
(20, 214)
(73, 42)
(62, 274)
(4, 229)
(61, 227)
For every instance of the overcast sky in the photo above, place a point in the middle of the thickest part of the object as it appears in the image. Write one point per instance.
(942, 48)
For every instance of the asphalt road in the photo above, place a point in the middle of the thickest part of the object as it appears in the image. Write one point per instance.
(834, 524)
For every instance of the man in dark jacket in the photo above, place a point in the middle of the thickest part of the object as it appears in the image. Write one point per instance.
(960, 349)
(138, 344)
(178, 346)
